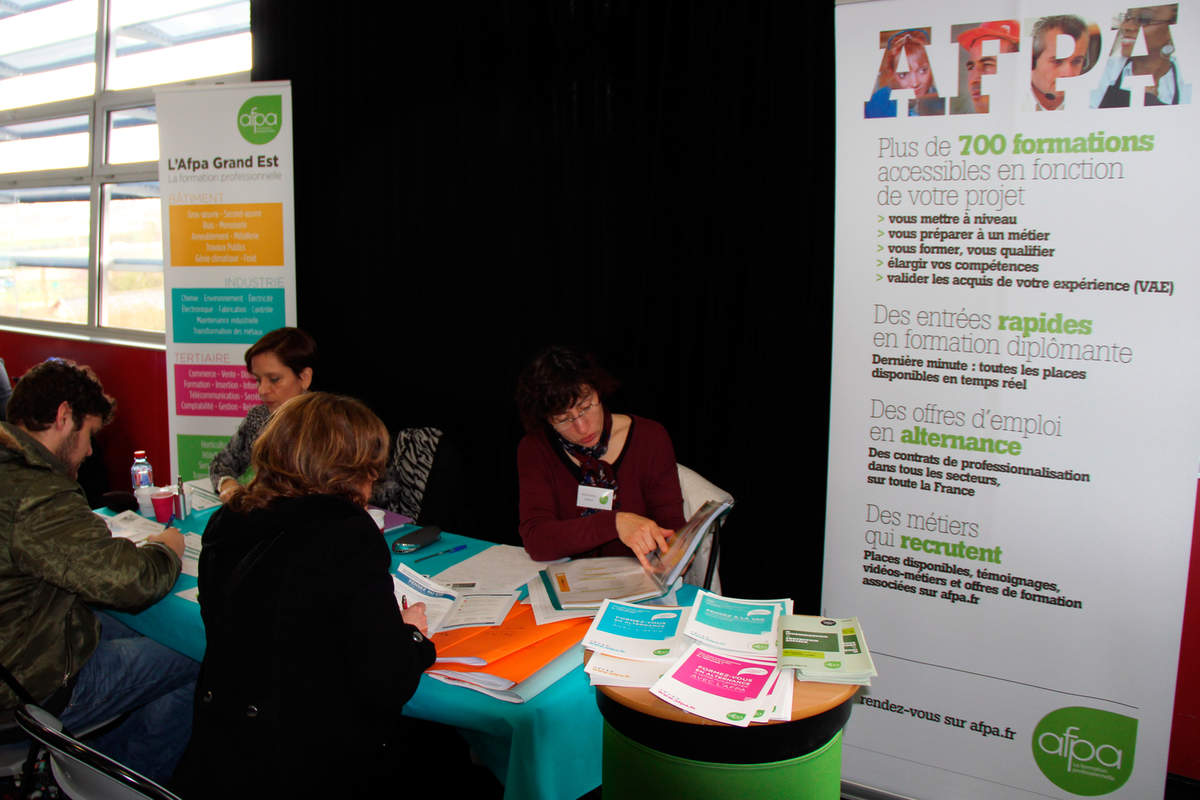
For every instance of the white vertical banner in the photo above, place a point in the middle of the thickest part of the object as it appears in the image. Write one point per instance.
(225, 170)
(1014, 437)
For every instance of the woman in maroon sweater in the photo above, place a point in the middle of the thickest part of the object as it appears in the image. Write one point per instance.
(593, 483)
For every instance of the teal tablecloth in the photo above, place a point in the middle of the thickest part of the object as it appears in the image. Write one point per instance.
(546, 749)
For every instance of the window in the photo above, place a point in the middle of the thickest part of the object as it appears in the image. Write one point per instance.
(80, 218)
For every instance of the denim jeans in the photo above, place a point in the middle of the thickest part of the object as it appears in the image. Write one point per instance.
(130, 673)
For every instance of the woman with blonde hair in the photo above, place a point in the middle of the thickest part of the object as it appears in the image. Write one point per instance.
(309, 659)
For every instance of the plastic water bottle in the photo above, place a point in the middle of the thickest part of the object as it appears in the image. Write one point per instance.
(142, 475)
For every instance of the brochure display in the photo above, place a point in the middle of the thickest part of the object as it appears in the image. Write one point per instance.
(731, 724)
(643, 632)
(828, 650)
(703, 676)
(741, 626)
(1013, 434)
(225, 170)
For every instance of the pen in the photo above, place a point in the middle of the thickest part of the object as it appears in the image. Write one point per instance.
(171, 521)
(444, 552)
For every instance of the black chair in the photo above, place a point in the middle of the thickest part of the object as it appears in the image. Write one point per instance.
(81, 772)
(425, 480)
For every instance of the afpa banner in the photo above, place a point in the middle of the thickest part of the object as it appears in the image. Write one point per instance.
(225, 167)
(1013, 436)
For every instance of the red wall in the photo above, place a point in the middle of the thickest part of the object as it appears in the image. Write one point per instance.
(135, 376)
(1184, 758)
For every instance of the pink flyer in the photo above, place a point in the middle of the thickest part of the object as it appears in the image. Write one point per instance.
(723, 676)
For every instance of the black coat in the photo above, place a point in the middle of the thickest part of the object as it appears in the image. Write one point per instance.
(308, 661)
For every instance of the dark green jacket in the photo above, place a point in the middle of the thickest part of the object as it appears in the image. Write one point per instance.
(56, 556)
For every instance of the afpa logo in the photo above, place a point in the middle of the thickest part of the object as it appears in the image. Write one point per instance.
(259, 118)
(1085, 751)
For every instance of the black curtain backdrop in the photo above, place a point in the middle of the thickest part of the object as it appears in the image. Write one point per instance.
(650, 181)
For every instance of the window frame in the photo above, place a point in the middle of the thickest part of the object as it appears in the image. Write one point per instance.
(95, 174)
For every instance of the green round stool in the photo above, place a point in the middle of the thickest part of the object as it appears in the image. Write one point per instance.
(652, 748)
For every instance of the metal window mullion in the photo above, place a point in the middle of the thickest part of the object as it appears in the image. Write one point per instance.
(50, 177)
(95, 221)
(102, 46)
(98, 128)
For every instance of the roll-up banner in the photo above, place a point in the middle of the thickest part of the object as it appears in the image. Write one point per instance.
(1014, 434)
(225, 171)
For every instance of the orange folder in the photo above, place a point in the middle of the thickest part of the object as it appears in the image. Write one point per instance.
(509, 670)
(489, 643)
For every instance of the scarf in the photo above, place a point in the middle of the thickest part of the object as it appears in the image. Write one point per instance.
(595, 472)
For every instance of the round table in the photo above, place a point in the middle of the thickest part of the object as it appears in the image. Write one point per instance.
(653, 747)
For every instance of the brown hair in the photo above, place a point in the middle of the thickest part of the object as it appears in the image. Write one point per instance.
(294, 348)
(40, 391)
(557, 379)
(316, 443)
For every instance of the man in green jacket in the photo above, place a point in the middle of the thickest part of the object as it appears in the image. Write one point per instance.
(58, 561)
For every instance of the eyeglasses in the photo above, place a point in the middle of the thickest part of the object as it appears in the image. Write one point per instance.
(566, 422)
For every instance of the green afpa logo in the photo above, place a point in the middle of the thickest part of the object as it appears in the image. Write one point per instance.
(260, 118)
(1085, 751)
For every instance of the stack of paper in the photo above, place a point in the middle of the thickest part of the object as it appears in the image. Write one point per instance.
(500, 568)
(513, 661)
(720, 686)
(716, 659)
(586, 583)
(827, 650)
(446, 609)
(634, 645)
(731, 673)
(132, 526)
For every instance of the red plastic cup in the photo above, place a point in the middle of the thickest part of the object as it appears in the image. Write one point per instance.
(164, 503)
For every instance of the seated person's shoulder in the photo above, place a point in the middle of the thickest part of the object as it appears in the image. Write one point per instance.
(650, 429)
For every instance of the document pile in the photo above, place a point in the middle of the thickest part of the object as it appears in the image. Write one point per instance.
(586, 583)
(486, 642)
(446, 608)
(634, 645)
(826, 650)
(513, 661)
(716, 659)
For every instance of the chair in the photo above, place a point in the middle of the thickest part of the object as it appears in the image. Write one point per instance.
(425, 480)
(402, 487)
(81, 772)
(696, 492)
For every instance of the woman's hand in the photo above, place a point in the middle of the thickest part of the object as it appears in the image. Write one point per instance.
(415, 615)
(226, 488)
(641, 535)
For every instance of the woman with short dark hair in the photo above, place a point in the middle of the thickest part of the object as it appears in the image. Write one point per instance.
(592, 483)
(282, 363)
(309, 660)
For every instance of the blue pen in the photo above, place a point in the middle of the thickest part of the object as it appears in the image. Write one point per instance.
(171, 521)
(444, 552)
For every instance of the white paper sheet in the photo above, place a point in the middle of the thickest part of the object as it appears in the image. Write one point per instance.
(500, 568)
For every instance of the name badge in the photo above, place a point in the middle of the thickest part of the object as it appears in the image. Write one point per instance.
(595, 497)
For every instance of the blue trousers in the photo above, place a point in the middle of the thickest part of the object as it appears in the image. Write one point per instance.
(131, 674)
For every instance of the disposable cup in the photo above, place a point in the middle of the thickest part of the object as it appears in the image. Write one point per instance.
(164, 502)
